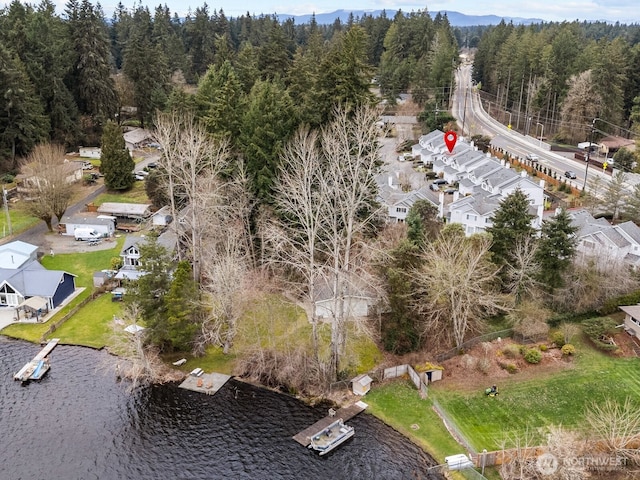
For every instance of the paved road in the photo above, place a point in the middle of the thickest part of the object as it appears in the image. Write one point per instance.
(473, 120)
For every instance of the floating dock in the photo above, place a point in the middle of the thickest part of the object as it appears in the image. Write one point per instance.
(344, 413)
(36, 368)
(208, 383)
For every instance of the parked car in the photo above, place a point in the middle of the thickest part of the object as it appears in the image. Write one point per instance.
(152, 165)
(87, 166)
(532, 157)
(450, 191)
(440, 181)
(570, 174)
(434, 187)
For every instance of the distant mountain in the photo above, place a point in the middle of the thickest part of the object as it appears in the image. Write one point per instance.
(456, 19)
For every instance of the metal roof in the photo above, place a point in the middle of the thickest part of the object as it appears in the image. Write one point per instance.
(125, 209)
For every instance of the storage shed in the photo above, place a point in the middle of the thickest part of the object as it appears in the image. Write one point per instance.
(162, 217)
(105, 226)
(361, 384)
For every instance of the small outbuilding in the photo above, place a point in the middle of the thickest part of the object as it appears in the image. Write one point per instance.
(361, 384)
(104, 225)
(162, 217)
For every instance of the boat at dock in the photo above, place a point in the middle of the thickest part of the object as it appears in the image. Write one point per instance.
(330, 437)
(36, 368)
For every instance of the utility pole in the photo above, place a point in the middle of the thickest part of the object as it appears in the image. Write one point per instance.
(590, 140)
(6, 209)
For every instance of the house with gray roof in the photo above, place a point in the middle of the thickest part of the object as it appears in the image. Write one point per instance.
(132, 263)
(22, 277)
(604, 243)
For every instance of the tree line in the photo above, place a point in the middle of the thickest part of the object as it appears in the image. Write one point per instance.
(64, 76)
(563, 75)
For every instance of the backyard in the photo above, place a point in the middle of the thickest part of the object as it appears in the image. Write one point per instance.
(534, 403)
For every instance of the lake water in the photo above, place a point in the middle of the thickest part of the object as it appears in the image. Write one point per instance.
(80, 423)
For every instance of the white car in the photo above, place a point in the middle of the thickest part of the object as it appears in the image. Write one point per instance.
(532, 157)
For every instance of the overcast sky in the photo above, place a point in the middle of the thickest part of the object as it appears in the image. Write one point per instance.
(625, 11)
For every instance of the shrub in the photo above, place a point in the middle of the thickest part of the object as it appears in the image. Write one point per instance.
(509, 367)
(483, 365)
(558, 339)
(597, 329)
(533, 355)
(543, 347)
(512, 368)
(568, 349)
(512, 350)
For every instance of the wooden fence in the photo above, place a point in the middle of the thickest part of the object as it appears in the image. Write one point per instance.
(54, 326)
(400, 370)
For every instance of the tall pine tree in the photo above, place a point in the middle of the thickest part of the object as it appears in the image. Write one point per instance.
(116, 162)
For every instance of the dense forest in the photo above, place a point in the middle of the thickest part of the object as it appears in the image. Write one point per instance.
(65, 75)
(563, 75)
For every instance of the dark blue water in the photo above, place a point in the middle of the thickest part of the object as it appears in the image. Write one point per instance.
(80, 423)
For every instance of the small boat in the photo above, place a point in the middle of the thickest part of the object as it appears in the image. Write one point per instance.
(34, 370)
(332, 436)
(42, 368)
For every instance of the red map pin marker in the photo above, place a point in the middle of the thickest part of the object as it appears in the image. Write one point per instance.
(450, 139)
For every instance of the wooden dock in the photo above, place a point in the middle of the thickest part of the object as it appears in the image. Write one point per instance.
(26, 372)
(208, 383)
(345, 413)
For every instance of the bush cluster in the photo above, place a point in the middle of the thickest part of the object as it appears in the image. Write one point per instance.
(598, 328)
(512, 350)
(558, 339)
(533, 355)
(568, 349)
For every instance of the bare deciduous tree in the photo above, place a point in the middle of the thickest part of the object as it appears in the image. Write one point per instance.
(618, 426)
(457, 285)
(582, 101)
(48, 180)
(325, 198)
(522, 271)
(192, 162)
(140, 363)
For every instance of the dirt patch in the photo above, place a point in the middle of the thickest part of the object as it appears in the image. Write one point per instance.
(487, 363)
(67, 244)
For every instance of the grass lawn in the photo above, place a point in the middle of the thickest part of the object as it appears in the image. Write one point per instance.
(136, 194)
(21, 219)
(554, 399)
(274, 323)
(92, 325)
(398, 404)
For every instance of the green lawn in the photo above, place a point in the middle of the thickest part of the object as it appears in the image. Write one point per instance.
(398, 404)
(21, 219)
(136, 194)
(556, 399)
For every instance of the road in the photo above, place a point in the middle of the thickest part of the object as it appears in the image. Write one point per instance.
(473, 120)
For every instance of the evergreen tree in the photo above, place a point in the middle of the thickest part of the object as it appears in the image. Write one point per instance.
(146, 65)
(556, 250)
(116, 162)
(148, 292)
(219, 100)
(90, 78)
(182, 304)
(510, 223)
(422, 222)
(267, 123)
(22, 119)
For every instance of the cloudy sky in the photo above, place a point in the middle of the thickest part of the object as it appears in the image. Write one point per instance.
(625, 11)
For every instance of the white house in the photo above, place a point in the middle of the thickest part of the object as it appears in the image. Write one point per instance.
(598, 240)
(162, 217)
(90, 152)
(358, 300)
(132, 263)
(137, 138)
(632, 319)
